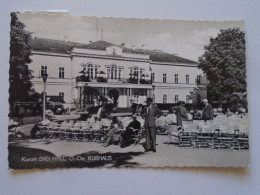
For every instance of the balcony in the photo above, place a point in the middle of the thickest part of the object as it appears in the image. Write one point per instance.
(82, 78)
(101, 80)
(131, 80)
(145, 81)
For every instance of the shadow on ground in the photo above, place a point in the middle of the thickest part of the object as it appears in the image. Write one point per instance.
(21, 157)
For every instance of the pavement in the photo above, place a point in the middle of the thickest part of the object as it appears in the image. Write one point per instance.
(89, 154)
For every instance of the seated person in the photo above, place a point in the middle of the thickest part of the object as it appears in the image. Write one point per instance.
(196, 115)
(105, 123)
(126, 136)
(100, 112)
(114, 126)
(139, 109)
(91, 119)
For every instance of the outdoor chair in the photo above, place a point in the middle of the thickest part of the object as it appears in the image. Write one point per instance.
(203, 139)
(223, 139)
(138, 136)
(97, 131)
(66, 131)
(86, 132)
(76, 131)
(51, 130)
(161, 126)
(172, 131)
(186, 138)
(241, 140)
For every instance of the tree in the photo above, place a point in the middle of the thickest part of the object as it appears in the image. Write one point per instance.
(224, 63)
(19, 74)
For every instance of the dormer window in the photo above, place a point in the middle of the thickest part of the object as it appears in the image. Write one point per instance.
(114, 50)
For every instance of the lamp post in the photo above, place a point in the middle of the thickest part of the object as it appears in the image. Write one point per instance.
(153, 86)
(44, 78)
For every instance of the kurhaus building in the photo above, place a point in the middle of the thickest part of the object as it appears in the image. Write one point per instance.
(125, 75)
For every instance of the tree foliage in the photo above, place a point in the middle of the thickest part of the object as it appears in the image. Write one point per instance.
(224, 63)
(19, 74)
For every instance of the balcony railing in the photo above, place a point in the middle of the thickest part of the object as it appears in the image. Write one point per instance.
(84, 78)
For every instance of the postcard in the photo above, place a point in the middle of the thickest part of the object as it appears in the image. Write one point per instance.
(100, 92)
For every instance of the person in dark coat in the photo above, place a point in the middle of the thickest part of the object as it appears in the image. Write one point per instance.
(129, 132)
(181, 113)
(150, 112)
(207, 113)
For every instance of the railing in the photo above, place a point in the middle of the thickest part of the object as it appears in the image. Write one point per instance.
(101, 80)
(130, 80)
(82, 78)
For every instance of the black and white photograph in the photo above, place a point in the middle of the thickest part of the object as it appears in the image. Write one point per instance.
(94, 92)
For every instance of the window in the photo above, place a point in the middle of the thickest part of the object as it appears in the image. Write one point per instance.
(198, 79)
(96, 72)
(164, 77)
(90, 71)
(61, 72)
(164, 98)
(43, 70)
(176, 98)
(152, 77)
(61, 94)
(119, 73)
(112, 72)
(176, 78)
(141, 71)
(108, 72)
(187, 79)
(136, 72)
(187, 98)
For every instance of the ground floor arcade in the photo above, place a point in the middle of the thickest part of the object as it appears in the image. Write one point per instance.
(121, 95)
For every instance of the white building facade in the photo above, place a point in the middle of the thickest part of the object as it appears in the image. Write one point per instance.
(124, 75)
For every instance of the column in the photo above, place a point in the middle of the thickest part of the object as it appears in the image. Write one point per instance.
(80, 97)
(130, 92)
(128, 99)
(106, 89)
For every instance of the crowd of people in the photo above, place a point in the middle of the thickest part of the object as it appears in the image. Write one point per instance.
(149, 113)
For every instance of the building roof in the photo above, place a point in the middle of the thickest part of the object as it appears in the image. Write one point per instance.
(56, 46)
(50, 45)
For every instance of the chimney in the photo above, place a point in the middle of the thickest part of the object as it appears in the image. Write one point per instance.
(133, 47)
(143, 47)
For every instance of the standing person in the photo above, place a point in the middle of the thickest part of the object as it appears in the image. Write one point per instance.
(21, 114)
(134, 107)
(151, 111)
(207, 113)
(181, 113)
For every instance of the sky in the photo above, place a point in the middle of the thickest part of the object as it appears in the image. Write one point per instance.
(183, 38)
